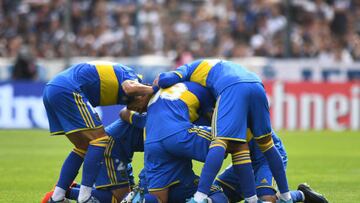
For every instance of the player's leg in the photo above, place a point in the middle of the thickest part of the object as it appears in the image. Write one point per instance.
(72, 164)
(113, 175)
(265, 183)
(84, 129)
(229, 129)
(229, 182)
(104, 196)
(163, 170)
(96, 142)
(260, 126)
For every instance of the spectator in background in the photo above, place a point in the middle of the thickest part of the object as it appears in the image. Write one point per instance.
(208, 28)
(24, 67)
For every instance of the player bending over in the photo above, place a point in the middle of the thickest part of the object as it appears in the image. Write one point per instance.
(114, 179)
(172, 141)
(265, 185)
(69, 99)
(241, 103)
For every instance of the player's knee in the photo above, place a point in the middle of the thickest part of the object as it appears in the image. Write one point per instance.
(120, 193)
(150, 198)
(269, 198)
(234, 147)
(265, 143)
(81, 144)
(80, 152)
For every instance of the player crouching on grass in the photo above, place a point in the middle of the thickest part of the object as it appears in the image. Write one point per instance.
(113, 181)
(69, 99)
(265, 185)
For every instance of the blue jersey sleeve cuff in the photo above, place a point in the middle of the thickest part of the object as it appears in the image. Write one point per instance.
(155, 89)
(168, 79)
(138, 120)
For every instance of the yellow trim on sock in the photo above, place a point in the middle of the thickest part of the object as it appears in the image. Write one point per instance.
(242, 162)
(79, 152)
(242, 152)
(266, 146)
(217, 145)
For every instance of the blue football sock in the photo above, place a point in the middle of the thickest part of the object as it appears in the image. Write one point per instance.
(277, 168)
(213, 162)
(70, 168)
(243, 169)
(219, 197)
(73, 193)
(93, 161)
(296, 196)
(149, 198)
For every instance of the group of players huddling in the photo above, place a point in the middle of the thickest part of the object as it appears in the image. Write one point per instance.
(204, 111)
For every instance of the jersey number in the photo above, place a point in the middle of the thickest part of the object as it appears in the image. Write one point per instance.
(172, 93)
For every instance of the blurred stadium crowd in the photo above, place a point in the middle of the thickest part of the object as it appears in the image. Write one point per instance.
(186, 29)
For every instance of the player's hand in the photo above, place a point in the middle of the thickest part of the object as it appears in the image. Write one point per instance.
(125, 114)
(139, 104)
(156, 81)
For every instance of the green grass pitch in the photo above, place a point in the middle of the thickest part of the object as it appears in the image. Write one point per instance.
(30, 161)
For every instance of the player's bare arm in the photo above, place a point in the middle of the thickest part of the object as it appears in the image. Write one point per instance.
(134, 88)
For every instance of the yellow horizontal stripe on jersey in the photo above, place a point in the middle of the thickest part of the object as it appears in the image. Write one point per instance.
(201, 72)
(109, 84)
(192, 102)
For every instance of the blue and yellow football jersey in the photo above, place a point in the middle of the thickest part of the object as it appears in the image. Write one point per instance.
(212, 73)
(173, 109)
(100, 81)
(125, 139)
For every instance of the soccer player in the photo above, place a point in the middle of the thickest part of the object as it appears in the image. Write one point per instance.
(241, 103)
(172, 141)
(265, 184)
(69, 99)
(114, 179)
